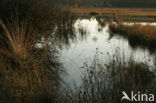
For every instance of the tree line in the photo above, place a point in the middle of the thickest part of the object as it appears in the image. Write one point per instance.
(110, 3)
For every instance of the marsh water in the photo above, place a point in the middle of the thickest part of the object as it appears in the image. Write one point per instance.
(97, 41)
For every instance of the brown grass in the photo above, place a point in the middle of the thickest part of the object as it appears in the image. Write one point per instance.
(142, 36)
(17, 37)
(29, 74)
(146, 32)
(30, 80)
(125, 11)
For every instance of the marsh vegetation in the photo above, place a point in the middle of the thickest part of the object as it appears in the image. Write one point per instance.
(137, 34)
(41, 41)
(104, 83)
(30, 73)
(107, 68)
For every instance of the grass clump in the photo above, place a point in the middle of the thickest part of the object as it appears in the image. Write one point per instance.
(28, 74)
(17, 37)
(47, 16)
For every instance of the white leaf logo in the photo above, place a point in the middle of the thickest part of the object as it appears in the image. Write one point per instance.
(125, 96)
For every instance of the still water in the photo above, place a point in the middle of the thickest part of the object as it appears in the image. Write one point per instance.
(97, 40)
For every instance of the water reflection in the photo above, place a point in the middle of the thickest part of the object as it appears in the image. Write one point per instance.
(138, 35)
(93, 40)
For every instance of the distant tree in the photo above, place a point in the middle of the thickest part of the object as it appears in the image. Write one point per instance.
(110, 3)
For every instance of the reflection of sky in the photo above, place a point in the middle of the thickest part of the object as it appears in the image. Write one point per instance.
(84, 50)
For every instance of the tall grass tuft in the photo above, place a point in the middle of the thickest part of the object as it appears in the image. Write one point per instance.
(17, 37)
(47, 16)
(29, 74)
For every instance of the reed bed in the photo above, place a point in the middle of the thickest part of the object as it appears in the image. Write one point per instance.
(146, 32)
(104, 83)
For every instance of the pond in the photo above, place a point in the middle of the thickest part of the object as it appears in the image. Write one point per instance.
(97, 41)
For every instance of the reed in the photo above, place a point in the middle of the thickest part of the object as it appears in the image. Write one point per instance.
(104, 83)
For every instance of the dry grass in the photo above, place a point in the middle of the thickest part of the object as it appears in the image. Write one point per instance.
(146, 32)
(142, 36)
(125, 14)
(46, 15)
(31, 80)
(29, 74)
(17, 37)
(122, 11)
(104, 83)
